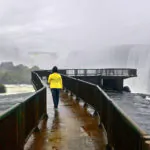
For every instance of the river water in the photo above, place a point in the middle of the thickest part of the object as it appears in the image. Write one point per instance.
(14, 94)
(135, 106)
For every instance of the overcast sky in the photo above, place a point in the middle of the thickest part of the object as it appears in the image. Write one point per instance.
(69, 25)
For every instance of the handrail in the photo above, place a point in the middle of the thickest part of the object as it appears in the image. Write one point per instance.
(125, 72)
(36, 80)
(18, 122)
(122, 132)
(8, 111)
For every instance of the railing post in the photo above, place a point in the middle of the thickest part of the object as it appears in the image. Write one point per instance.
(77, 90)
(76, 72)
(85, 72)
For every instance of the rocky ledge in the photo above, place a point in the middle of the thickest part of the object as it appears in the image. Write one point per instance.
(2, 88)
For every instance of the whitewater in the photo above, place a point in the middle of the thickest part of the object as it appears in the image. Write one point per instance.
(14, 94)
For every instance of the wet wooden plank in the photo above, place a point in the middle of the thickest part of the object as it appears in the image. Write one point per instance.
(69, 128)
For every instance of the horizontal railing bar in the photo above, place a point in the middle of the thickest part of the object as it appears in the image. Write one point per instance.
(8, 111)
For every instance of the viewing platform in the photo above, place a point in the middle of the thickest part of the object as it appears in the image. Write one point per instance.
(108, 79)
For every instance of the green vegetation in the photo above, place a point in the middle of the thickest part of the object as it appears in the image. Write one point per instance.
(20, 74)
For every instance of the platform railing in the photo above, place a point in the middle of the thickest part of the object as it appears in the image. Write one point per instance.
(36, 81)
(18, 122)
(127, 72)
(122, 132)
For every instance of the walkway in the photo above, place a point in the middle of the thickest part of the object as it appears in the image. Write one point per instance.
(69, 128)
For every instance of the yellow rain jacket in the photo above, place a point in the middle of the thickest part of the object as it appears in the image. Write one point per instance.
(55, 81)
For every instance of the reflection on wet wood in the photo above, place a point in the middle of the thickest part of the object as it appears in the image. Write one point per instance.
(69, 128)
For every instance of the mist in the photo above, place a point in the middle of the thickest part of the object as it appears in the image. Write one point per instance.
(76, 34)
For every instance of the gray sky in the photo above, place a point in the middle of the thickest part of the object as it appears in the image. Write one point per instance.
(69, 25)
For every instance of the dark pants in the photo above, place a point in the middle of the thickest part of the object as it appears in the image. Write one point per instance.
(55, 95)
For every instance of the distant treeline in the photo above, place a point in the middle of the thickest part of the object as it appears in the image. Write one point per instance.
(19, 74)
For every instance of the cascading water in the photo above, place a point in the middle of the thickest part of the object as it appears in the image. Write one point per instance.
(139, 57)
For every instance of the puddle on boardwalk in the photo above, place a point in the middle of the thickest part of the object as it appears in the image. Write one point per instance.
(69, 128)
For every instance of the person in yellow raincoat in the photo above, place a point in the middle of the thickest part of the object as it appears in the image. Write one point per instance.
(55, 83)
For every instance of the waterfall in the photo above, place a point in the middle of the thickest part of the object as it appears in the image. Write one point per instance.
(139, 57)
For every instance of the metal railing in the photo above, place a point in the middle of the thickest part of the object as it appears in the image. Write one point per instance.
(36, 81)
(18, 122)
(122, 132)
(102, 72)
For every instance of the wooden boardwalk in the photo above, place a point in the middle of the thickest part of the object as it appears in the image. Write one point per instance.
(70, 128)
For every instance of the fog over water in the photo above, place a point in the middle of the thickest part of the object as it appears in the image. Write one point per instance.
(79, 34)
